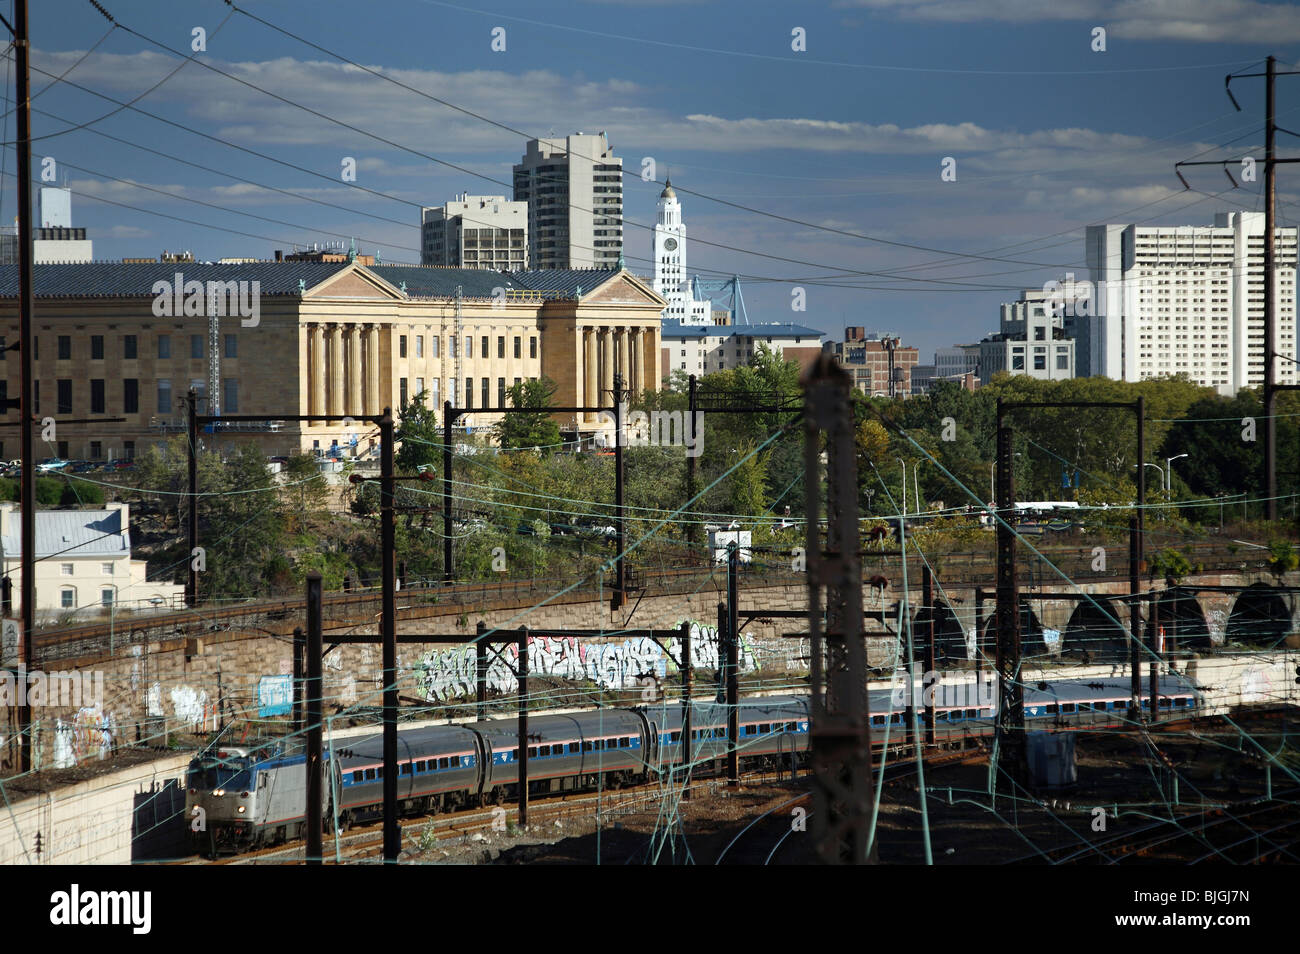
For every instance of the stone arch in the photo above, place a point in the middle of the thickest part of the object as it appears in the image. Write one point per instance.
(1031, 632)
(1183, 620)
(949, 637)
(1092, 633)
(1259, 616)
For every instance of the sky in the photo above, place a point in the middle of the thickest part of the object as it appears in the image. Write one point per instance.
(806, 140)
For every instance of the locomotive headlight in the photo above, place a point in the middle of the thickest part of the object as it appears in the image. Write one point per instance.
(218, 792)
(241, 809)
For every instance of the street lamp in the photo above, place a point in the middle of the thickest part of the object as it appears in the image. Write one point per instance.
(903, 464)
(1169, 472)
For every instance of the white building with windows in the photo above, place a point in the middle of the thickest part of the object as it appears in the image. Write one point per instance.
(1031, 342)
(475, 231)
(1189, 300)
(704, 349)
(573, 188)
(84, 566)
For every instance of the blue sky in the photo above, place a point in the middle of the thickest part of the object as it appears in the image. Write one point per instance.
(840, 145)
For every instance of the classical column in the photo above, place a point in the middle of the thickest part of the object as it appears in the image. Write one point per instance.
(372, 370)
(354, 370)
(634, 366)
(317, 370)
(624, 361)
(606, 364)
(335, 370)
(590, 365)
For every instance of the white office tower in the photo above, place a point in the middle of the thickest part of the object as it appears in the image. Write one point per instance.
(670, 263)
(1189, 300)
(56, 240)
(475, 231)
(574, 190)
(56, 208)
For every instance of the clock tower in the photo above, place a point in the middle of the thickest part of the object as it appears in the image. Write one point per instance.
(670, 255)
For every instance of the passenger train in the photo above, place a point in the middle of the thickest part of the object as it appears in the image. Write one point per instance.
(252, 796)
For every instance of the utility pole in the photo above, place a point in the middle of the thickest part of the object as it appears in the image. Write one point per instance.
(841, 720)
(733, 665)
(392, 827)
(315, 773)
(448, 419)
(26, 406)
(192, 517)
(693, 534)
(1271, 162)
(927, 590)
(1011, 691)
(620, 569)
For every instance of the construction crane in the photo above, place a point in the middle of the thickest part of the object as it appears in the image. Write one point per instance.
(701, 288)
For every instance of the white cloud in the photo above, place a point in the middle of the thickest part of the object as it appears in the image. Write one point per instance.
(1202, 21)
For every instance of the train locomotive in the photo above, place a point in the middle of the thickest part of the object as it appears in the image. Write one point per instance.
(250, 797)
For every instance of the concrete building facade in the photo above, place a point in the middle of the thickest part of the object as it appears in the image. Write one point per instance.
(475, 231)
(1031, 342)
(574, 191)
(1189, 300)
(704, 349)
(324, 338)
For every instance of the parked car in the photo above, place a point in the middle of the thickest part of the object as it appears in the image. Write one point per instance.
(52, 463)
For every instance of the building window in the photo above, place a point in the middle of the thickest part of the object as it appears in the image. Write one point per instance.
(129, 347)
(230, 395)
(66, 569)
(419, 387)
(483, 349)
(451, 347)
(36, 395)
(1018, 362)
(130, 395)
(436, 342)
(419, 346)
(68, 598)
(401, 393)
(401, 346)
(128, 450)
(518, 352)
(96, 450)
(433, 390)
(164, 346)
(532, 347)
(501, 392)
(501, 346)
(196, 346)
(1062, 362)
(96, 347)
(1040, 362)
(469, 346)
(106, 596)
(64, 396)
(484, 390)
(164, 396)
(469, 392)
(97, 396)
(65, 348)
(231, 347)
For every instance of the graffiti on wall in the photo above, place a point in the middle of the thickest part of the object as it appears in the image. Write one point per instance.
(88, 735)
(450, 674)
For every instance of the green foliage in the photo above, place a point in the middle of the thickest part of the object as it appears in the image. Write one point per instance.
(77, 492)
(529, 430)
(1282, 557)
(1170, 564)
(418, 436)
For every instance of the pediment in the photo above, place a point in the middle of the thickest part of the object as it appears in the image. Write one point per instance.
(624, 288)
(354, 282)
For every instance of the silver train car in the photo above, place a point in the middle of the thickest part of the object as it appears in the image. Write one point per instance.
(239, 798)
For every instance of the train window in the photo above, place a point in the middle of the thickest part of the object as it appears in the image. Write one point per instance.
(404, 769)
(442, 763)
(878, 720)
(721, 733)
(972, 713)
(954, 715)
(379, 773)
(1067, 707)
(370, 773)
(792, 727)
(625, 742)
(420, 766)
(573, 746)
(765, 728)
(896, 718)
(586, 746)
(544, 751)
(357, 775)
(1051, 708)
(514, 755)
(532, 751)
(1164, 703)
(1180, 703)
(1085, 707)
(676, 736)
(455, 761)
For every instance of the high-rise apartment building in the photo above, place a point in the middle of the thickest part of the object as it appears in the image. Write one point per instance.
(1188, 300)
(574, 190)
(475, 231)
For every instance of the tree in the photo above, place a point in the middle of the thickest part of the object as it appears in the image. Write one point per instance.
(418, 434)
(529, 430)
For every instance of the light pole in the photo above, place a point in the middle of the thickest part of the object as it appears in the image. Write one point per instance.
(903, 464)
(1169, 472)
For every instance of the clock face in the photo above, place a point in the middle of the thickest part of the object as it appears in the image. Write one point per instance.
(670, 244)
